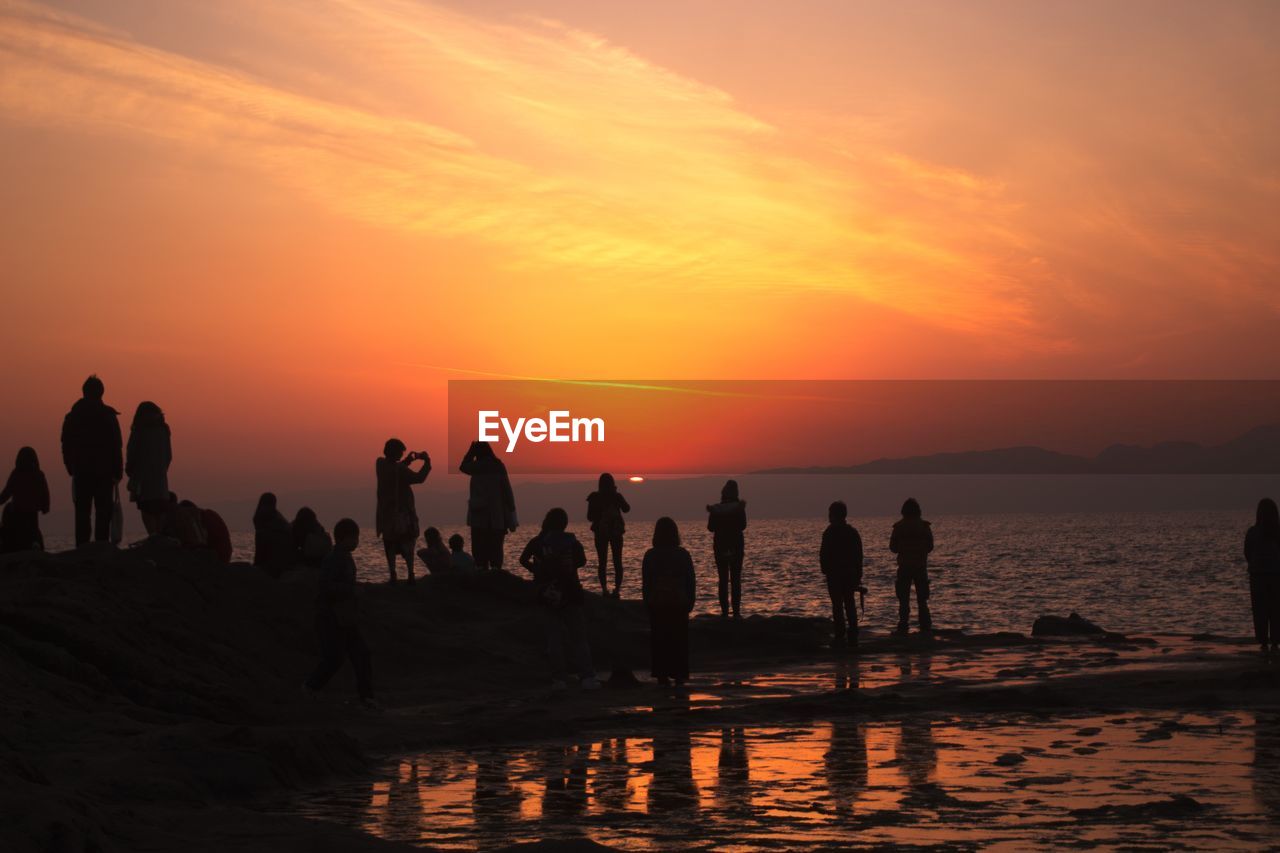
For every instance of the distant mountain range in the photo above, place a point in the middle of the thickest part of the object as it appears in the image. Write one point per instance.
(1255, 452)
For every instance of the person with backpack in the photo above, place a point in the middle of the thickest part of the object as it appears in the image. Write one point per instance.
(553, 557)
(397, 515)
(605, 507)
(912, 541)
(26, 497)
(147, 461)
(337, 617)
(491, 504)
(669, 587)
(727, 520)
(92, 451)
(840, 558)
(310, 539)
(1262, 551)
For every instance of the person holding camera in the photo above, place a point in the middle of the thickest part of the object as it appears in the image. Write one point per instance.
(397, 516)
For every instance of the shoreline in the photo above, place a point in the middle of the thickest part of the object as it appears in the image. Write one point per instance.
(154, 689)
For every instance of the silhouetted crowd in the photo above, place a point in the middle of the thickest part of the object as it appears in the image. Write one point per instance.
(98, 459)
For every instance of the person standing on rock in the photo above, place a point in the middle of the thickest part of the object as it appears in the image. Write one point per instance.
(1262, 550)
(337, 617)
(840, 558)
(727, 522)
(491, 504)
(397, 514)
(668, 586)
(605, 507)
(93, 453)
(912, 541)
(147, 464)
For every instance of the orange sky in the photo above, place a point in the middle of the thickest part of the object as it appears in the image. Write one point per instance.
(285, 221)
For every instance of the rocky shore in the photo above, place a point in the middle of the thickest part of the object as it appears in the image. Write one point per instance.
(153, 698)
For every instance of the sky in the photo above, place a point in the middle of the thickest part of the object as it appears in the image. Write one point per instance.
(291, 222)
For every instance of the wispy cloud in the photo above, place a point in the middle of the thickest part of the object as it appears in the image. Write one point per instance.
(552, 145)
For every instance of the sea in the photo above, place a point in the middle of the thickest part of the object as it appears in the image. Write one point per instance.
(1168, 572)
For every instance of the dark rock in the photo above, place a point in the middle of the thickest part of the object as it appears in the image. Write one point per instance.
(1074, 625)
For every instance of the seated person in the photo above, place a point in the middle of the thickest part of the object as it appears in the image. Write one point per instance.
(434, 555)
(462, 561)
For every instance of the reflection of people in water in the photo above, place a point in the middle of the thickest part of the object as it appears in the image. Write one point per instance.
(495, 805)
(846, 675)
(733, 781)
(565, 771)
(610, 776)
(846, 764)
(1266, 765)
(917, 751)
(405, 806)
(672, 788)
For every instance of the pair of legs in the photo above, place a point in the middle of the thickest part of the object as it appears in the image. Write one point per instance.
(567, 641)
(1264, 595)
(486, 547)
(153, 514)
(339, 641)
(844, 607)
(729, 569)
(669, 644)
(398, 548)
(605, 544)
(902, 586)
(94, 499)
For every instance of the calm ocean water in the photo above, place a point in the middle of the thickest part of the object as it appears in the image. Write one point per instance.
(1167, 572)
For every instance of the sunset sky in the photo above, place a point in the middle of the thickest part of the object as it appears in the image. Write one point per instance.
(290, 222)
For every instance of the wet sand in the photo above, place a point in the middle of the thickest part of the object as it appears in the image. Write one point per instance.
(153, 701)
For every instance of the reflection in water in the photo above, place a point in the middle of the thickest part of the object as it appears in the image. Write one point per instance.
(733, 776)
(846, 764)
(850, 781)
(1265, 770)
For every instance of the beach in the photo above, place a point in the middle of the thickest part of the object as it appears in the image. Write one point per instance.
(155, 702)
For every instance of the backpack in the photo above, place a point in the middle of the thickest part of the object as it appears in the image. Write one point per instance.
(555, 568)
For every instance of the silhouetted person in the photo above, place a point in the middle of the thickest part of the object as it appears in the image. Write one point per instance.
(25, 498)
(1262, 550)
(605, 507)
(727, 520)
(92, 450)
(397, 514)
(491, 504)
(554, 557)
(434, 555)
(219, 535)
(841, 560)
(337, 616)
(147, 459)
(273, 549)
(185, 522)
(310, 539)
(458, 556)
(668, 587)
(912, 540)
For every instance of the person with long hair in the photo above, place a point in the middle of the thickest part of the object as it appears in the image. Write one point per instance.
(310, 540)
(397, 514)
(491, 504)
(912, 541)
(1262, 551)
(605, 507)
(668, 586)
(273, 549)
(727, 522)
(147, 459)
(26, 495)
